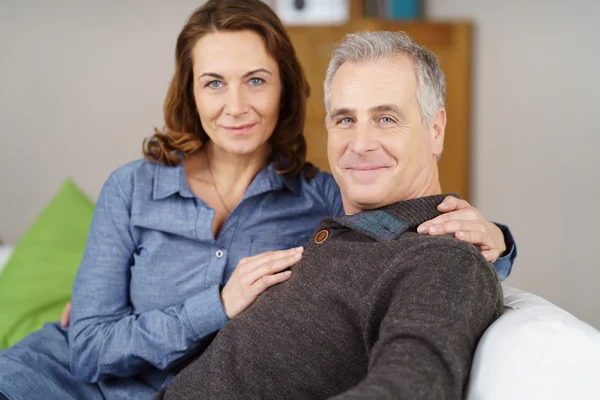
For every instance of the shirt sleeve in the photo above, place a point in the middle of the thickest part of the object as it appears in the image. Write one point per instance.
(105, 337)
(331, 193)
(425, 325)
(504, 264)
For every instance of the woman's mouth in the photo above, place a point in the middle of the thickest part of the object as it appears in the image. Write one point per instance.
(239, 129)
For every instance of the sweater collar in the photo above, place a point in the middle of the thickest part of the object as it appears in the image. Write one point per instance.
(389, 222)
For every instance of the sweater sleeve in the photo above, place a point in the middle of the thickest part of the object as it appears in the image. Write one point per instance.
(425, 323)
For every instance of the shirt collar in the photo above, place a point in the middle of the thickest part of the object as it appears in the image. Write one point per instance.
(269, 179)
(389, 222)
(170, 180)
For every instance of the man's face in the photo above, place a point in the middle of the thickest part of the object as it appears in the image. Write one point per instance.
(379, 149)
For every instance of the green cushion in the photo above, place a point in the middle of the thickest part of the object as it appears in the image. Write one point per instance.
(38, 278)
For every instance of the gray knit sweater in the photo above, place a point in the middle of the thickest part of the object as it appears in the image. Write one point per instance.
(373, 311)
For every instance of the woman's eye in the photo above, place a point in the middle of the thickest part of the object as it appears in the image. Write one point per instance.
(214, 84)
(256, 81)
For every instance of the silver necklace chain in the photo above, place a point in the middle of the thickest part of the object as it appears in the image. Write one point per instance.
(214, 183)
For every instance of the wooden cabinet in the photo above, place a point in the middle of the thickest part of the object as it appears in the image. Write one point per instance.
(451, 42)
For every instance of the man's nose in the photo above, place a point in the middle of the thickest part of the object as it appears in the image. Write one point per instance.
(363, 140)
(237, 102)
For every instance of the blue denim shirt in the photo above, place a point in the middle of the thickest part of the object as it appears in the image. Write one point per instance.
(147, 291)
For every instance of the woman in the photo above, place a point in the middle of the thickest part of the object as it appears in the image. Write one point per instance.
(187, 238)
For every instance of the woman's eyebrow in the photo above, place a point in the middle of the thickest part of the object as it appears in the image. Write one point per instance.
(212, 75)
(254, 71)
(247, 74)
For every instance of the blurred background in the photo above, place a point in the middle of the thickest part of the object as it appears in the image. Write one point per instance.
(82, 83)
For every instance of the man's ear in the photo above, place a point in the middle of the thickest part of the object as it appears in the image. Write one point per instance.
(438, 129)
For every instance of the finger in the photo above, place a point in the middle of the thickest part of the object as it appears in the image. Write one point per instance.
(460, 215)
(477, 238)
(456, 226)
(271, 267)
(451, 203)
(270, 280)
(66, 316)
(272, 254)
(491, 255)
(249, 263)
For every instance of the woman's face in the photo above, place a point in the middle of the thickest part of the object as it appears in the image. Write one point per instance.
(237, 89)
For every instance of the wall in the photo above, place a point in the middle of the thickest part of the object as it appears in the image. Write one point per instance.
(82, 83)
(536, 138)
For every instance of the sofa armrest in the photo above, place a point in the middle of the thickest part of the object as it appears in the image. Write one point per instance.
(536, 350)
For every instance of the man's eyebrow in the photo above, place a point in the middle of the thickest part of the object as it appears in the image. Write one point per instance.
(247, 74)
(386, 108)
(340, 111)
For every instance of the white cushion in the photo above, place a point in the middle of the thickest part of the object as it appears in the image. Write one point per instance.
(536, 350)
(5, 252)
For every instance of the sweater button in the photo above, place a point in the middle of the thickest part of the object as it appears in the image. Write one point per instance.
(321, 236)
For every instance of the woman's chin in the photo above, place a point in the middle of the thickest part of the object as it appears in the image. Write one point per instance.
(245, 148)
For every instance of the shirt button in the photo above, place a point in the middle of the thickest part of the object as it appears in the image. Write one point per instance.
(321, 237)
(219, 253)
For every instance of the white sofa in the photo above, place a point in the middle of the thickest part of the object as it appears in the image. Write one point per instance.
(536, 350)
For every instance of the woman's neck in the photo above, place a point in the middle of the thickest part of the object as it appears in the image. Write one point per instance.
(233, 173)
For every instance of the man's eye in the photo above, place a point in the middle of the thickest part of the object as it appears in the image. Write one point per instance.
(345, 121)
(214, 84)
(386, 120)
(256, 81)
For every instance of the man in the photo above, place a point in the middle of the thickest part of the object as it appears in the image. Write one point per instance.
(373, 309)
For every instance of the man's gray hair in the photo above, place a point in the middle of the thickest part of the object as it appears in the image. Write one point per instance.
(380, 45)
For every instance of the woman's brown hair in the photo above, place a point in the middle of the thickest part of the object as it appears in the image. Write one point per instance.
(183, 131)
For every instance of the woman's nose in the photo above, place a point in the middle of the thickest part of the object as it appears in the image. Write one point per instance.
(237, 103)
